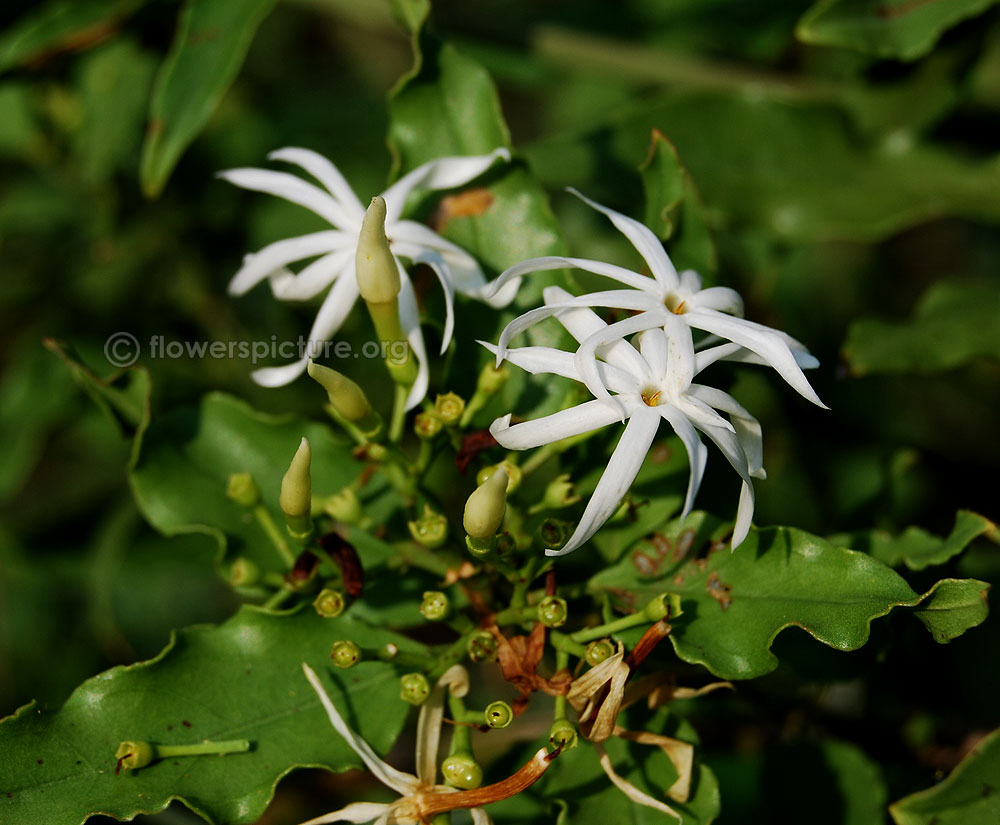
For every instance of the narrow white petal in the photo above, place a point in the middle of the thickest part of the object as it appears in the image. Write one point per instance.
(586, 355)
(630, 790)
(582, 418)
(617, 478)
(441, 173)
(720, 298)
(280, 376)
(275, 256)
(411, 239)
(313, 279)
(733, 450)
(653, 346)
(697, 452)
(643, 239)
(480, 817)
(690, 282)
(355, 812)
(326, 173)
(540, 359)
(757, 338)
(617, 273)
(680, 355)
(437, 264)
(747, 427)
(409, 319)
(402, 783)
(293, 189)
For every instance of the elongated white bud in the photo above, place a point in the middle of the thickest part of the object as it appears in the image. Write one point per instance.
(296, 491)
(486, 507)
(377, 273)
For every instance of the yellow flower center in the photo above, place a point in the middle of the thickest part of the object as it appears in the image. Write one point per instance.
(651, 396)
(675, 303)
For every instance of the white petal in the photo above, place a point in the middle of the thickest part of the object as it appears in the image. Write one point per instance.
(313, 279)
(720, 298)
(437, 264)
(630, 790)
(690, 282)
(402, 783)
(355, 812)
(617, 478)
(643, 239)
(586, 355)
(680, 355)
(327, 174)
(409, 319)
(697, 452)
(275, 256)
(540, 359)
(480, 817)
(757, 338)
(291, 188)
(582, 418)
(618, 273)
(747, 427)
(441, 173)
(653, 346)
(410, 239)
(733, 450)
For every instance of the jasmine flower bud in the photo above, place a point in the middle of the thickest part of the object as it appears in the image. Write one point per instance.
(487, 506)
(346, 397)
(243, 573)
(498, 714)
(329, 603)
(344, 506)
(427, 425)
(430, 530)
(414, 688)
(436, 606)
(460, 770)
(449, 408)
(134, 755)
(242, 489)
(296, 492)
(375, 266)
(560, 492)
(666, 605)
(553, 611)
(345, 653)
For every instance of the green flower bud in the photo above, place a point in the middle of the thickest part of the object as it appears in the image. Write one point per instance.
(460, 770)
(243, 573)
(427, 425)
(329, 603)
(414, 688)
(134, 755)
(345, 653)
(296, 492)
(430, 530)
(436, 606)
(663, 606)
(347, 397)
(486, 507)
(449, 408)
(242, 489)
(344, 506)
(513, 474)
(482, 647)
(562, 734)
(377, 272)
(498, 714)
(598, 651)
(491, 379)
(560, 492)
(553, 611)
(553, 533)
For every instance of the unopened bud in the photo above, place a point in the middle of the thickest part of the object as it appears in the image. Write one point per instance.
(243, 573)
(553, 611)
(296, 492)
(347, 398)
(344, 506)
(553, 533)
(487, 506)
(598, 651)
(449, 408)
(375, 265)
(666, 605)
(436, 606)
(498, 714)
(430, 530)
(242, 489)
(134, 755)
(562, 734)
(329, 603)
(413, 688)
(482, 647)
(345, 653)
(427, 425)
(460, 770)
(491, 379)
(513, 474)
(561, 492)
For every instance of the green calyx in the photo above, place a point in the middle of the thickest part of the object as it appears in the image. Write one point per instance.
(344, 506)
(598, 651)
(562, 734)
(460, 770)
(242, 489)
(449, 408)
(329, 603)
(560, 492)
(553, 611)
(345, 653)
(553, 533)
(430, 530)
(436, 606)
(243, 573)
(134, 755)
(666, 605)
(414, 688)
(427, 425)
(481, 646)
(498, 714)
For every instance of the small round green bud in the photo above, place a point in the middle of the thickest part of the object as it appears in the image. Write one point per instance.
(498, 714)
(329, 603)
(436, 606)
(482, 647)
(296, 492)
(344, 506)
(242, 489)
(449, 408)
(414, 688)
(553, 533)
(487, 506)
(513, 474)
(663, 606)
(427, 425)
(374, 264)
(460, 770)
(560, 492)
(243, 573)
(134, 755)
(430, 530)
(491, 379)
(562, 734)
(598, 651)
(553, 611)
(345, 653)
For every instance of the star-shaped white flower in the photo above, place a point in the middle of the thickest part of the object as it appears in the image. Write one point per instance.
(651, 384)
(334, 250)
(666, 295)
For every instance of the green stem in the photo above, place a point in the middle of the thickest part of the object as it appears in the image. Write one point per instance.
(461, 738)
(610, 628)
(202, 748)
(398, 413)
(565, 646)
(278, 598)
(453, 654)
(559, 710)
(263, 516)
(516, 615)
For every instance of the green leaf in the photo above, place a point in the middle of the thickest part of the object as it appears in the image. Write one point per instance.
(954, 323)
(735, 603)
(240, 680)
(411, 14)
(916, 548)
(952, 606)
(183, 462)
(673, 208)
(60, 26)
(894, 29)
(211, 43)
(969, 796)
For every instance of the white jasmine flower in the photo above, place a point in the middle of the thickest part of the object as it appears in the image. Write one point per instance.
(334, 249)
(651, 384)
(666, 295)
